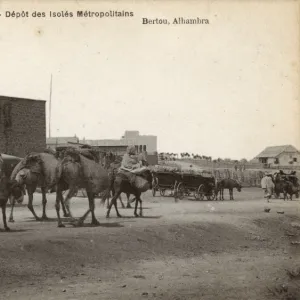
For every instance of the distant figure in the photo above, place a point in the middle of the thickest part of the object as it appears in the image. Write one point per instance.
(267, 185)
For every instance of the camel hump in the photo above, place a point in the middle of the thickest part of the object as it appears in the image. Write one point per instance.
(88, 153)
(75, 154)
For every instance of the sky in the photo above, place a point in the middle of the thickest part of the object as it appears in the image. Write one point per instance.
(225, 89)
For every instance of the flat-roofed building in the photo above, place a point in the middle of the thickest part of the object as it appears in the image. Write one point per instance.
(22, 125)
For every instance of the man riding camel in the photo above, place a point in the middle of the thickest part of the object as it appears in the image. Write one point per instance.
(132, 164)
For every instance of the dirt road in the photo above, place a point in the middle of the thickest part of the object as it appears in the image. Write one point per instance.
(186, 250)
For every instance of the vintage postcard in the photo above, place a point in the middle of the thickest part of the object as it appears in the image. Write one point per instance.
(150, 150)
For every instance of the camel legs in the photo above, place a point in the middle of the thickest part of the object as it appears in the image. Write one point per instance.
(92, 209)
(120, 198)
(231, 194)
(44, 201)
(128, 201)
(66, 214)
(135, 207)
(137, 201)
(141, 206)
(11, 216)
(3, 206)
(114, 202)
(66, 202)
(59, 198)
(30, 206)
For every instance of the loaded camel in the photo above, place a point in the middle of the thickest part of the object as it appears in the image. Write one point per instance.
(41, 170)
(37, 170)
(77, 171)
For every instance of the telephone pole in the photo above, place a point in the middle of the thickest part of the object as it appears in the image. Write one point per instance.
(50, 107)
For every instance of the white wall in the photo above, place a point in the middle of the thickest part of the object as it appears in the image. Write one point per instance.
(284, 159)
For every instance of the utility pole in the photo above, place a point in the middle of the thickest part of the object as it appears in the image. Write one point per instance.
(50, 107)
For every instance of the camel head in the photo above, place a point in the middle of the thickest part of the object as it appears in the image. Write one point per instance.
(147, 174)
(21, 176)
(16, 191)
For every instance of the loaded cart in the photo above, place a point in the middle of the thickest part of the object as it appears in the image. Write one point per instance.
(198, 185)
(164, 180)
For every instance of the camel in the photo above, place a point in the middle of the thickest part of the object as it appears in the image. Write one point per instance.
(8, 188)
(112, 170)
(37, 169)
(121, 184)
(77, 171)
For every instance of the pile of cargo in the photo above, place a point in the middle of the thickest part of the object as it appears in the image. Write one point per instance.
(180, 170)
(196, 171)
(165, 168)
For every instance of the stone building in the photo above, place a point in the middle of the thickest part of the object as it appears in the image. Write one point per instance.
(142, 143)
(22, 125)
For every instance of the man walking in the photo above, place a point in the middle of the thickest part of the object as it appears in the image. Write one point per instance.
(267, 185)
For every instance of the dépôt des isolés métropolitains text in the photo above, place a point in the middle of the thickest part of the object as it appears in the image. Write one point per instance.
(70, 14)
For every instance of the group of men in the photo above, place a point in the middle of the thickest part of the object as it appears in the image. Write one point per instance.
(268, 184)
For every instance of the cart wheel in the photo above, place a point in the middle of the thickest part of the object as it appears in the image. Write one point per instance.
(200, 192)
(180, 191)
(162, 192)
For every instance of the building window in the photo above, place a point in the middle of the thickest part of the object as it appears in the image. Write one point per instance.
(295, 159)
(276, 161)
(264, 160)
(141, 148)
(145, 148)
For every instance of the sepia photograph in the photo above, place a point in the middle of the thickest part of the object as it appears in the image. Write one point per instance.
(150, 150)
